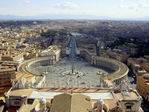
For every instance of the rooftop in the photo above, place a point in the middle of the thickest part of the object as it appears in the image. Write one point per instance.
(93, 96)
(51, 49)
(127, 96)
(21, 92)
(68, 101)
(6, 68)
(71, 103)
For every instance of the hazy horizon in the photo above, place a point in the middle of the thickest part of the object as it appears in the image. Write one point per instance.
(70, 9)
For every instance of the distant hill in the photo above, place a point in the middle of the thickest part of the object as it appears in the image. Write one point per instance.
(145, 18)
(10, 17)
(13, 17)
(90, 17)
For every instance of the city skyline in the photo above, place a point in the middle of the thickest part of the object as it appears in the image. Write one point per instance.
(107, 9)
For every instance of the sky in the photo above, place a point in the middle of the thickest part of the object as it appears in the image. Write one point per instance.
(101, 8)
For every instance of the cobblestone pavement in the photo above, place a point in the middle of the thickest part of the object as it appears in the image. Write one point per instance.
(55, 77)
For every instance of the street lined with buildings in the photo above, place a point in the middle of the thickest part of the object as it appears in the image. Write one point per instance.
(45, 64)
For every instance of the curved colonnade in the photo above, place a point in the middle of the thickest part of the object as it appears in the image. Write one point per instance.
(117, 70)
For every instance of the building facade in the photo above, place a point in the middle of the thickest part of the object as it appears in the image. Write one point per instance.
(7, 74)
(53, 52)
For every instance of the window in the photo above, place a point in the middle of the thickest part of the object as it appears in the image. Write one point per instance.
(129, 107)
(30, 101)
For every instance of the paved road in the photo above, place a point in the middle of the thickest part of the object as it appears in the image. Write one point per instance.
(72, 47)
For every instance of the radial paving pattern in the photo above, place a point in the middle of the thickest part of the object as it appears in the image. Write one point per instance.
(55, 74)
